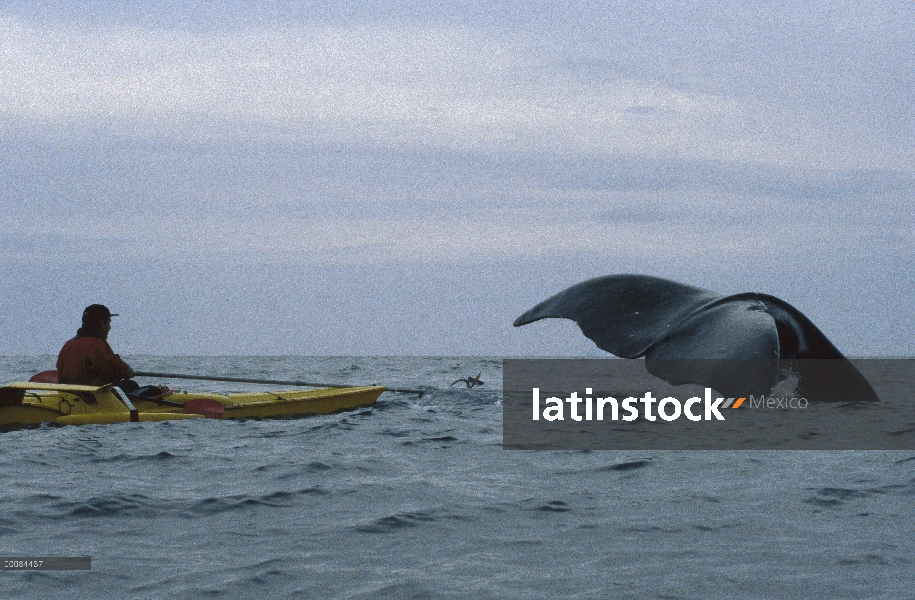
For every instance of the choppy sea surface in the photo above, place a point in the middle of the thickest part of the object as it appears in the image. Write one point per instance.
(416, 498)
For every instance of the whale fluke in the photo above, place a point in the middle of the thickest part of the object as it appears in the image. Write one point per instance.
(692, 335)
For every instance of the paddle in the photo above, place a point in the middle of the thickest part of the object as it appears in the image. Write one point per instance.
(45, 377)
(209, 408)
(267, 381)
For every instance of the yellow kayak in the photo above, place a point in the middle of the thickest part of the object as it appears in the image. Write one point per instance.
(33, 403)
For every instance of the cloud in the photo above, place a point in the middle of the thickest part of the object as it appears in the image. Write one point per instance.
(444, 86)
(620, 227)
(384, 175)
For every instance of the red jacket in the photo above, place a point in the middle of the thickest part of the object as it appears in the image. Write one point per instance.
(90, 361)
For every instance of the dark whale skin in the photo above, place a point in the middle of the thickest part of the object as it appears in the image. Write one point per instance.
(737, 345)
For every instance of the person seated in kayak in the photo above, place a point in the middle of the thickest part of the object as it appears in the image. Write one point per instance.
(87, 359)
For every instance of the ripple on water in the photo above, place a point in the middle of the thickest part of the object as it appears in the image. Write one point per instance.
(395, 522)
(626, 466)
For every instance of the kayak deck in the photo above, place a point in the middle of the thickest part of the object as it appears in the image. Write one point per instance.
(35, 403)
(239, 405)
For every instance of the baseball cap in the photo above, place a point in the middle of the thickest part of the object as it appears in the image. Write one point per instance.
(96, 313)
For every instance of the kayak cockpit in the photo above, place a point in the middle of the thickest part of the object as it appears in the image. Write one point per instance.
(33, 403)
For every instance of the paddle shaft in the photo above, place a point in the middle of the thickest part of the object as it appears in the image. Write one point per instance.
(265, 381)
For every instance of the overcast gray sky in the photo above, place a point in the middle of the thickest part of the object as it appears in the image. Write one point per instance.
(407, 177)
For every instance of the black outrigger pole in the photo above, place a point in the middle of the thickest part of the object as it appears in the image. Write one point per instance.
(268, 381)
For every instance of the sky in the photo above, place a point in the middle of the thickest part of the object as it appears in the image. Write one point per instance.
(406, 178)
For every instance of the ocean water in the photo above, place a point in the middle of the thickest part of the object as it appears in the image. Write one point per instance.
(416, 498)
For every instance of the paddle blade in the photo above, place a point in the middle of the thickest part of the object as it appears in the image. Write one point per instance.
(211, 409)
(45, 377)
